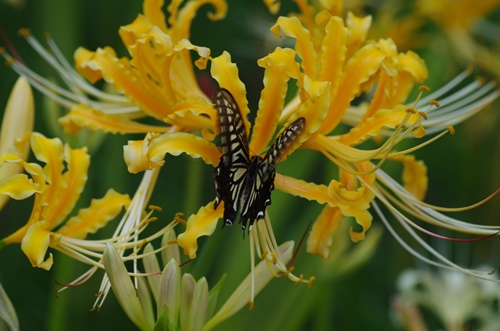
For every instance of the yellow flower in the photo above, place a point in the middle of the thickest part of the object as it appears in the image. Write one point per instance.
(333, 51)
(57, 187)
(279, 66)
(17, 123)
(342, 78)
(157, 81)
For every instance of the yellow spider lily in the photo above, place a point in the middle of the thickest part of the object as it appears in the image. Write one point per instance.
(337, 66)
(57, 187)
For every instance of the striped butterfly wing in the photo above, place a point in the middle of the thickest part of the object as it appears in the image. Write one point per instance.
(231, 173)
(259, 196)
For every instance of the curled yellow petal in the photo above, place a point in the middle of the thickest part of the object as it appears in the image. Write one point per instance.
(35, 244)
(371, 126)
(348, 193)
(49, 151)
(83, 116)
(279, 66)
(358, 30)
(359, 69)
(153, 10)
(363, 218)
(60, 198)
(414, 175)
(136, 155)
(226, 74)
(320, 237)
(18, 187)
(178, 143)
(293, 28)
(202, 223)
(83, 63)
(302, 188)
(149, 153)
(96, 216)
(334, 50)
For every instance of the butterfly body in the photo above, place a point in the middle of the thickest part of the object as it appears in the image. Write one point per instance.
(245, 183)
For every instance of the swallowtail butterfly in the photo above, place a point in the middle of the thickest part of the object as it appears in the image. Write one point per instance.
(245, 183)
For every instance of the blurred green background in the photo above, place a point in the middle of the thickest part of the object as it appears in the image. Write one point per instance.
(463, 169)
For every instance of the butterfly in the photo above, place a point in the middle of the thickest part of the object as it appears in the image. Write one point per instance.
(245, 183)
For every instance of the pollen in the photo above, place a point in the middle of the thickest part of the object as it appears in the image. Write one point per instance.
(451, 129)
(411, 110)
(424, 88)
(423, 114)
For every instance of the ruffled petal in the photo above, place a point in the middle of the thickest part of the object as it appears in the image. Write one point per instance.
(82, 116)
(153, 10)
(371, 126)
(320, 237)
(358, 30)
(18, 187)
(347, 193)
(414, 175)
(202, 223)
(96, 216)
(226, 74)
(35, 244)
(279, 67)
(297, 187)
(293, 28)
(178, 143)
(62, 198)
(358, 70)
(149, 153)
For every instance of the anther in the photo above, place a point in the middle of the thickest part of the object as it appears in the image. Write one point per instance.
(424, 88)
(423, 114)
(451, 129)
(24, 32)
(156, 208)
(434, 103)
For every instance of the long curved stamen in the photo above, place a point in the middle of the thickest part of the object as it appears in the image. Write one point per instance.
(447, 264)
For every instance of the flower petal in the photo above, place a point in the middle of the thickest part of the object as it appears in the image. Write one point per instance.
(18, 187)
(61, 196)
(358, 70)
(414, 175)
(149, 153)
(95, 217)
(83, 116)
(35, 244)
(279, 67)
(293, 28)
(320, 238)
(226, 74)
(202, 223)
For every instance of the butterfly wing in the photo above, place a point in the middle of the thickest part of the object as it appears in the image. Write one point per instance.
(263, 183)
(231, 172)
